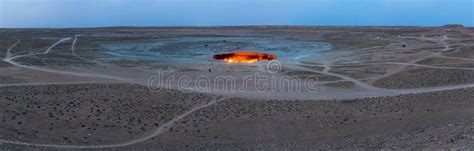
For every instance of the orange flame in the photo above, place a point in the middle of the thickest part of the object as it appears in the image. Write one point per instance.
(244, 57)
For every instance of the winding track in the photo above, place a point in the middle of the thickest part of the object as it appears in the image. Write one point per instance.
(55, 44)
(9, 58)
(327, 67)
(155, 133)
(8, 54)
(73, 52)
(401, 68)
(51, 83)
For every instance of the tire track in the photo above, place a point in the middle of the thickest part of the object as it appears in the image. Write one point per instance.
(155, 133)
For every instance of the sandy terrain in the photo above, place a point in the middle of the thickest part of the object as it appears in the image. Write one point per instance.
(375, 88)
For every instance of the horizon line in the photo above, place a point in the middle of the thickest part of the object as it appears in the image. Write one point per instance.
(227, 26)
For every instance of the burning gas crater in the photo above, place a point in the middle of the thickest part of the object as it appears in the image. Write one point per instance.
(244, 57)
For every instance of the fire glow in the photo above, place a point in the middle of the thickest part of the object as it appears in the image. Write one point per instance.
(244, 57)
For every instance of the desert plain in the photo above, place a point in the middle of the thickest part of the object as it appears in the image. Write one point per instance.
(119, 88)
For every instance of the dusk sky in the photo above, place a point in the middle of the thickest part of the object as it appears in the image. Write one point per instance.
(99, 13)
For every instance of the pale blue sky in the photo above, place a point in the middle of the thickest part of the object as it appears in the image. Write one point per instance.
(95, 13)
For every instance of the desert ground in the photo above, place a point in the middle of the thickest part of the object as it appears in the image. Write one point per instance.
(117, 88)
